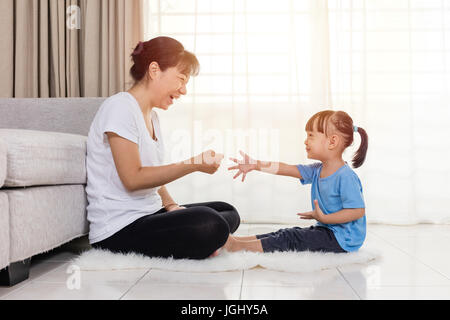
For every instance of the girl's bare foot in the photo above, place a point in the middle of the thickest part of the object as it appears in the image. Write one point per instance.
(245, 238)
(234, 244)
(229, 244)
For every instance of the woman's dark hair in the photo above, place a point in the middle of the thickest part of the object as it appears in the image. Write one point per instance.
(343, 123)
(167, 52)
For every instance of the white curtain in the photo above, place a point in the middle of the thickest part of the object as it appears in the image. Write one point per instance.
(267, 66)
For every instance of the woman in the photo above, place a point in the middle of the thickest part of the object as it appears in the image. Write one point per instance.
(130, 209)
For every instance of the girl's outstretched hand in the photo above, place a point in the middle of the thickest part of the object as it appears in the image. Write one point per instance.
(244, 166)
(316, 214)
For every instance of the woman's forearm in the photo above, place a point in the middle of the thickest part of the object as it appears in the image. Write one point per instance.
(343, 216)
(165, 196)
(156, 176)
(151, 177)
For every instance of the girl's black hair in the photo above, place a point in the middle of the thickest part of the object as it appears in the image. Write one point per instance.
(343, 123)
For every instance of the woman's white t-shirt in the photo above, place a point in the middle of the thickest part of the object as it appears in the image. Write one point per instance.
(110, 206)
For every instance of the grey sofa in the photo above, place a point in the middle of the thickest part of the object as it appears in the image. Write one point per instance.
(42, 178)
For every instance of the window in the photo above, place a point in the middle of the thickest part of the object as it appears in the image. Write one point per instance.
(247, 49)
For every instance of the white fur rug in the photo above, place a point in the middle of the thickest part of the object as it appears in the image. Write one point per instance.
(97, 259)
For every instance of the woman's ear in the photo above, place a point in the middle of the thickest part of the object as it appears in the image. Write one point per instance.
(153, 70)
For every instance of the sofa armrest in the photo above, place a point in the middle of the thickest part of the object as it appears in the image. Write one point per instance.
(3, 153)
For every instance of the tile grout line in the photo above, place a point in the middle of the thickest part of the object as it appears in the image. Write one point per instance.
(345, 279)
(132, 286)
(411, 256)
(242, 283)
(243, 271)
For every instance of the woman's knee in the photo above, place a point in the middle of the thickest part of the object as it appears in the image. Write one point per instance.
(237, 220)
(231, 215)
(225, 206)
(213, 225)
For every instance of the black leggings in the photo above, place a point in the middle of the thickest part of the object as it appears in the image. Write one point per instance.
(193, 233)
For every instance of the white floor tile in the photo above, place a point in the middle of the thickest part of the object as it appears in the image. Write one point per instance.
(106, 277)
(399, 271)
(316, 292)
(60, 291)
(172, 278)
(406, 293)
(152, 291)
(263, 277)
(160, 284)
(429, 244)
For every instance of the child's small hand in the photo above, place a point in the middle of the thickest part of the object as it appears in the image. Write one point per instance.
(316, 214)
(244, 166)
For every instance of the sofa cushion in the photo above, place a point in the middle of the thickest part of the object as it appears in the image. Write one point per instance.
(2, 162)
(43, 158)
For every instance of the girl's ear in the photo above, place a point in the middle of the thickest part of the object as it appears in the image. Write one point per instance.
(333, 141)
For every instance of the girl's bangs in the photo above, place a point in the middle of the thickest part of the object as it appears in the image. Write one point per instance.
(320, 120)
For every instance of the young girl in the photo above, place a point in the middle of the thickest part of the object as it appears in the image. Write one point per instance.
(336, 191)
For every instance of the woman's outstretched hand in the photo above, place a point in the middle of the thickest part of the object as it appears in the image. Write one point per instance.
(244, 166)
(208, 161)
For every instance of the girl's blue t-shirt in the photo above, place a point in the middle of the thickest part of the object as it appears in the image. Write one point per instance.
(341, 190)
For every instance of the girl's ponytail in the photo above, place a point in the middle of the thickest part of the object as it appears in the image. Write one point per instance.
(360, 154)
